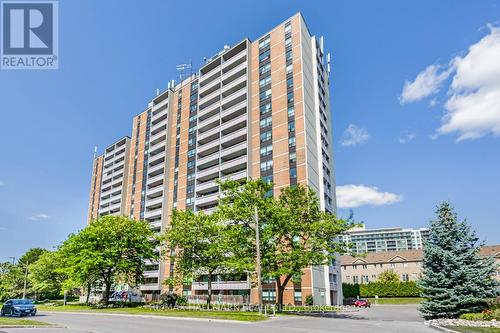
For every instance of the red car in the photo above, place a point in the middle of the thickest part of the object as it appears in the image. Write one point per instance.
(362, 303)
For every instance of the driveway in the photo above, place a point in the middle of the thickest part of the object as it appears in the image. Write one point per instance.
(383, 319)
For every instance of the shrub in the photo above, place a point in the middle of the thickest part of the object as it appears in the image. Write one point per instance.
(482, 316)
(382, 289)
(182, 301)
(309, 300)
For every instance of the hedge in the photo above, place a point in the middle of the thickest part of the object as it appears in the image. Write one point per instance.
(381, 289)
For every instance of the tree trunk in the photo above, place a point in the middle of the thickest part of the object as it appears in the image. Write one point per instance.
(209, 289)
(281, 291)
(105, 296)
(89, 287)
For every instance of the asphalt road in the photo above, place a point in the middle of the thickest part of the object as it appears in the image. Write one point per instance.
(383, 319)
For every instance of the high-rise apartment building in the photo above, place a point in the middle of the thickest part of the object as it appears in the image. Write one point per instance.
(255, 109)
(364, 240)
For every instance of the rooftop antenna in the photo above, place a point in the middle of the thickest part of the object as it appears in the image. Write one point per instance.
(95, 152)
(328, 58)
(183, 70)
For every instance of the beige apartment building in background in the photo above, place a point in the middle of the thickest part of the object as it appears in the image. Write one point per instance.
(407, 264)
(256, 109)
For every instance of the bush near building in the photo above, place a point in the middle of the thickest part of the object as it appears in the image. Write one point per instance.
(381, 289)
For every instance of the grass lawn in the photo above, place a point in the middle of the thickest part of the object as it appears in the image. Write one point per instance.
(465, 329)
(241, 316)
(8, 321)
(396, 300)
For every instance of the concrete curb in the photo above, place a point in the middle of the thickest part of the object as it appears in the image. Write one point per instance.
(154, 316)
(442, 329)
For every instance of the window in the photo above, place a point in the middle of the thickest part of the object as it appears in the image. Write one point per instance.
(265, 81)
(355, 279)
(191, 152)
(265, 94)
(192, 108)
(297, 295)
(268, 179)
(190, 189)
(264, 69)
(265, 108)
(291, 126)
(288, 27)
(289, 97)
(291, 142)
(190, 176)
(192, 118)
(264, 55)
(333, 278)
(266, 122)
(288, 55)
(192, 129)
(288, 41)
(289, 69)
(293, 157)
(291, 111)
(265, 136)
(191, 164)
(293, 173)
(264, 151)
(365, 266)
(191, 141)
(267, 165)
(189, 201)
(269, 295)
(264, 42)
(405, 278)
(289, 83)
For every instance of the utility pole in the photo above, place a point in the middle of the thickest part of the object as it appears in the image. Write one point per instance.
(13, 260)
(257, 241)
(25, 279)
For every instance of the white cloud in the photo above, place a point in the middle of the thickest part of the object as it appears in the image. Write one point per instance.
(473, 108)
(425, 84)
(2, 183)
(39, 217)
(407, 138)
(354, 135)
(351, 196)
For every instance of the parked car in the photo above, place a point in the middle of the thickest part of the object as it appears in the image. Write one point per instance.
(350, 301)
(18, 307)
(362, 303)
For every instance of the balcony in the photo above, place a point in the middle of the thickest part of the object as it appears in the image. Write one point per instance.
(155, 168)
(234, 138)
(154, 191)
(203, 162)
(205, 99)
(222, 285)
(234, 73)
(208, 148)
(209, 122)
(155, 180)
(159, 112)
(207, 77)
(156, 157)
(206, 187)
(234, 124)
(207, 199)
(235, 150)
(158, 137)
(235, 85)
(155, 213)
(208, 173)
(148, 274)
(235, 176)
(150, 286)
(235, 60)
(209, 135)
(154, 202)
(209, 111)
(234, 99)
(234, 111)
(162, 123)
(208, 87)
(234, 164)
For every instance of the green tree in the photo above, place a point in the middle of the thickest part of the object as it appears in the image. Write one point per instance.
(201, 244)
(294, 232)
(46, 276)
(388, 276)
(455, 279)
(111, 249)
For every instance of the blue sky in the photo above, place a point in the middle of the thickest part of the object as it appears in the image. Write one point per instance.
(396, 156)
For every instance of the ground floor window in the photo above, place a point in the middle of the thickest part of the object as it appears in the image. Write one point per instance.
(269, 295)
(297, 295)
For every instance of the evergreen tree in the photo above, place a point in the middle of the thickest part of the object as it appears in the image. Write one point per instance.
(455, 279)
